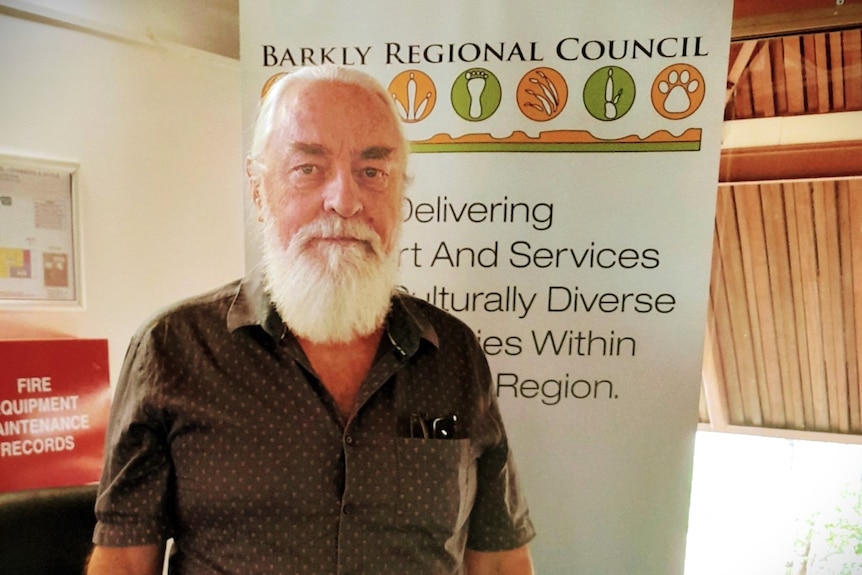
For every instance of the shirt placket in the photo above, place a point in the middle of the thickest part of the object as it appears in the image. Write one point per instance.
(367, 458)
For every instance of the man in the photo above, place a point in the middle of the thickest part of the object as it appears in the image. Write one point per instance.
(310, 419)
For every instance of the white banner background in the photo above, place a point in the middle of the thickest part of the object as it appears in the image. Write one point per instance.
(603, 437)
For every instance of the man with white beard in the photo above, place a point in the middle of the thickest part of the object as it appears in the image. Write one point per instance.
(311, 419)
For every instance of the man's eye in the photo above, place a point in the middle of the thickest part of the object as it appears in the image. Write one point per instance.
(306, 169)
(373, 173)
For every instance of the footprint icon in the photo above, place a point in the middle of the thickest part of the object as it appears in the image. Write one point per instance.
(609, 93)
(677, 88)
(611, 98)
(476, 80)
(414, 94)
(678, 91)
(476, 94)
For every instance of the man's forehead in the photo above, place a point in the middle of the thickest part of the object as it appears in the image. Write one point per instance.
(322, 101)
(317, 117)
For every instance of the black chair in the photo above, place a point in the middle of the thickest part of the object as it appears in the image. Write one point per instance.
(46, 531)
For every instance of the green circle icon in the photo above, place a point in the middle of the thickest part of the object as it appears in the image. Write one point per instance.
(609, 93)
(476, 94)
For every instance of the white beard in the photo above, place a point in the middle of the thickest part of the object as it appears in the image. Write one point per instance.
(329, 292)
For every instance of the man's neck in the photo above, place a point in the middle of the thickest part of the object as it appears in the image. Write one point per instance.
(342, 367)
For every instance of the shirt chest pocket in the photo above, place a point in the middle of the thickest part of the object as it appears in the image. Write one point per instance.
(436, 483)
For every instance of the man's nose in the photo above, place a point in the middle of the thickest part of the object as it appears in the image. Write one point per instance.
(342, 194)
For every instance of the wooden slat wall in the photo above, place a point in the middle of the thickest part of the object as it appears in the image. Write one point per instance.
(785, 310)
(852, 43)
(806, 74)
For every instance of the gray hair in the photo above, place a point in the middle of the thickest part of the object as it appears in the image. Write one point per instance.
(267, 114)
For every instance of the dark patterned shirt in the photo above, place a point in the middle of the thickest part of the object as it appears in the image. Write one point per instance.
(222, 437)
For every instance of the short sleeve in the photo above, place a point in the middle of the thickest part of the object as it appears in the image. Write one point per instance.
(500, 517)
(131, 508)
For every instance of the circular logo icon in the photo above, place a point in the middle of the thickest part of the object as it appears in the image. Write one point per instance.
(609, 93)
(542, 94)
(414, 94)
(476, 94)
(678, 91)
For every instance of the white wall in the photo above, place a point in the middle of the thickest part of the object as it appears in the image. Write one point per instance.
(157, 134)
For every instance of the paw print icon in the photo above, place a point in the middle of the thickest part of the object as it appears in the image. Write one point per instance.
(678, 91)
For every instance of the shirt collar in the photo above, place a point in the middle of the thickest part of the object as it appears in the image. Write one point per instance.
(251, 306)
(406, 324)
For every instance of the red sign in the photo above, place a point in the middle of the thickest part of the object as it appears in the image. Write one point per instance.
(55, 397)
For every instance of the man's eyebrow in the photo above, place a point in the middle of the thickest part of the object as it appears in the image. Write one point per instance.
(306, 148)
(377, 153)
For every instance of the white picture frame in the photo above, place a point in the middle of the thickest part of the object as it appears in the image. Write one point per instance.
(40, 234)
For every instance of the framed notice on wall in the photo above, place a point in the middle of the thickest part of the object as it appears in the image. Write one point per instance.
(39, 234)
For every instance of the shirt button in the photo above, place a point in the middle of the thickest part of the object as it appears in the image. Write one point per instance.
(348, 440)
(347, 509)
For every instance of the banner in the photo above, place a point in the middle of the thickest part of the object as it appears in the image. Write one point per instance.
(565, 161)
(54, 401)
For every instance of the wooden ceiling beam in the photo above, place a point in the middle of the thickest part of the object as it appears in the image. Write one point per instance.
(793, 162)
(783, 21)
(740, 63)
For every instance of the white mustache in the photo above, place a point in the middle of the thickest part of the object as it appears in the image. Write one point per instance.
(338, 228)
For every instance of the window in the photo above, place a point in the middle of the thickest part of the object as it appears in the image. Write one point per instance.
(773, 506)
